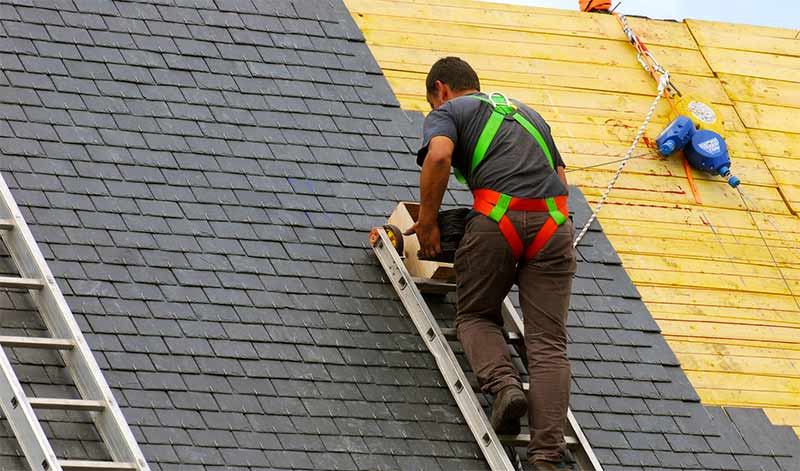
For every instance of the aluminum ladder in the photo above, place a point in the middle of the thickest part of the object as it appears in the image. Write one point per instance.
(496, 449)
(97, 399)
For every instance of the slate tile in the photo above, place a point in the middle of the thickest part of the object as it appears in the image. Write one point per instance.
(647, 441)
(657, 424)
(637, 458)
(677, 460)
(758, 431)
(96, 6)
(687, 443)
(644, 389)
(606, 439)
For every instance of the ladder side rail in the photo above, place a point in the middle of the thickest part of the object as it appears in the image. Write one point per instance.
(430, 332)
(58, 318)
(583, 441)
(514, 323)
(23, 421)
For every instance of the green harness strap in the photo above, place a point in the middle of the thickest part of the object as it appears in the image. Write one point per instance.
(501, 108)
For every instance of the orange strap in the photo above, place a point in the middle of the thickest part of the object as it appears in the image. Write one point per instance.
(687, 169)
(542, 238)
(485, 201)
(489, 198)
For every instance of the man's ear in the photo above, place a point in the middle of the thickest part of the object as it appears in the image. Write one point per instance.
(439, 89)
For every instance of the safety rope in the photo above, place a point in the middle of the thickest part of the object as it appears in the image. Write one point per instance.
(750, 202)
(772, 257)
(615, 161)
(663, 83)
(665, 89)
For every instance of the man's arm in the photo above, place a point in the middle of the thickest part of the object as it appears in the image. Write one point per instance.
(432, 185)
(562, 174)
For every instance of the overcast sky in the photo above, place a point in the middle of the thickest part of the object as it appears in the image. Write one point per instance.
(783, 13)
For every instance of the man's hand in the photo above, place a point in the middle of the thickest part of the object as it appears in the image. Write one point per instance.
(429, 238)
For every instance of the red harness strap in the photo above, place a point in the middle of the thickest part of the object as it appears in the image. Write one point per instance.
(487, 203)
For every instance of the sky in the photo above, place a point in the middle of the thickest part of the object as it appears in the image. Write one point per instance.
(781, 13)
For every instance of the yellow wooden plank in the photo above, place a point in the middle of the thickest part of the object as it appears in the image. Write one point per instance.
(416, 33)
(704, 330)
(656, 270)
(710, 298)
(741, 397)
(703, 250)
(653, 188)
(778, 144)
(753, 64)
(721, 218)
(784, 416)
(768, 117)
(791, 193)
(786, 175)
(722, 314)
(694, 280)
(785, 169)
(730, 242)
(743, 284)
(546, 20)
(550, 74)
(761, 90)
(573, 103)
(755, 383)
(752, 32)
(724, 348)
(748, 253)
(772, 367)
(746, 37)
(791, 348)
(732, 266)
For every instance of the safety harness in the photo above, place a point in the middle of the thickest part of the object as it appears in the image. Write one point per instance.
(494, 204)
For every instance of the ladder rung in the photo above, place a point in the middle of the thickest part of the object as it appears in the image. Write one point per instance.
(36, 342)
(450, 334)
(66, 404)
(75, 465)
(524, 438)
(430, 285)
(20, 283)
(6, 224)
(475, 387)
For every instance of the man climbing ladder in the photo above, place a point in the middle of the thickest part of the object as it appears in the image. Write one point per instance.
(519, 232)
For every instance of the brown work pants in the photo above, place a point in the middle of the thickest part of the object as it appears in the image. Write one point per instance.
(486, 271)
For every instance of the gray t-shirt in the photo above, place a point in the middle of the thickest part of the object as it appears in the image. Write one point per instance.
(514, 163)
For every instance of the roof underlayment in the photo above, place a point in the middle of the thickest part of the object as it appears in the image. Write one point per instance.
(201, 176)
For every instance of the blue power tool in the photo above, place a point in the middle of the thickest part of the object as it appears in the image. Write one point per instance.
(704, 149)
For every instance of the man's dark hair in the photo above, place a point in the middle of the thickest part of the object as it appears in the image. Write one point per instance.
(453, 72)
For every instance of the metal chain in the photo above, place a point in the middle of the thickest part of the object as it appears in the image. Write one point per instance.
(663, 83)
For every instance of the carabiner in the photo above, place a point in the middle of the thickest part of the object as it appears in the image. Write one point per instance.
(506, 101)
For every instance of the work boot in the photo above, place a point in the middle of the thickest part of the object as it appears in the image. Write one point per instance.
(563, 465)
(509, 405)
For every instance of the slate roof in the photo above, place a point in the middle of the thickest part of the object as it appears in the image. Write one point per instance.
(201, 176)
